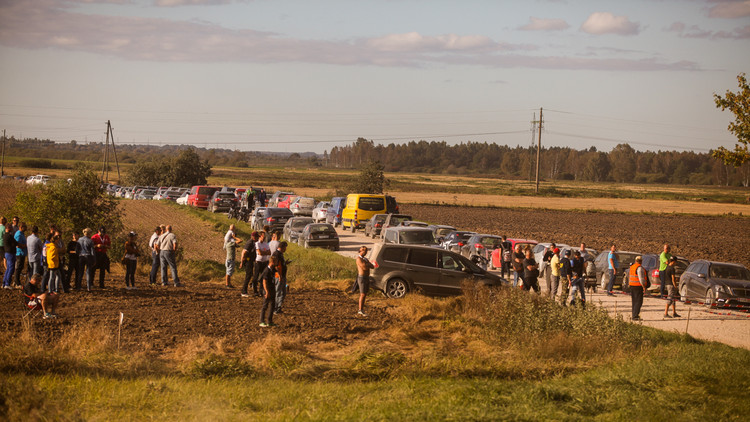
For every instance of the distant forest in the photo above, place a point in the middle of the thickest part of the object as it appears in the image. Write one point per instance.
(621, 164)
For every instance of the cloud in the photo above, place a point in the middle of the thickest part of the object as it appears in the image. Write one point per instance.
(600, 23)
(539, 24)
(729, 9)
(45, 24)
(694, 31)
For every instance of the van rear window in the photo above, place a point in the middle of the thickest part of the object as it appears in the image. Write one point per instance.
(206, 191)
(425, 258)
(371, 204)
(395, 254)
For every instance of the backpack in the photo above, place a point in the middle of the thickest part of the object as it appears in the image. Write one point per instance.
(590, 269)
(506, 255)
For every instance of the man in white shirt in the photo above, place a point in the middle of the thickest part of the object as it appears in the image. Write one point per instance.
(167, 249)
(153, 245)
(263, 253)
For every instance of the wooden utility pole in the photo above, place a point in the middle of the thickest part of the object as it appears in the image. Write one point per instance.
(531, 147)
(539, 148)
(2, 166)
(114, 151)
(105, 167)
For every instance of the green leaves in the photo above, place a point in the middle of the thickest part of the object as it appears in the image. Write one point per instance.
(739, 104)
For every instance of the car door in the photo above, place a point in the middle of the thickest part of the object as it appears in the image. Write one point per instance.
(423, 271)
(451, 274)
(700, 284)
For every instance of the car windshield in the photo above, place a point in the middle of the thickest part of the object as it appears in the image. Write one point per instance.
(417, 237)
(371, 204)
(306, 202)
(321, 228)
(395, 221)
(148, 192)
(300, 224)
(493, 242)
(729, 272)
(443, 231)
(279, 212)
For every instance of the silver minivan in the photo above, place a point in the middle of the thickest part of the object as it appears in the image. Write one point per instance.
(400, 269)
(404, 235)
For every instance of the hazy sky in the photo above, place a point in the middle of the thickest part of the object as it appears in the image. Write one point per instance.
(309, 75)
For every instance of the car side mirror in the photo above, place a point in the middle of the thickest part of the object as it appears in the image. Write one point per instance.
(701, 275)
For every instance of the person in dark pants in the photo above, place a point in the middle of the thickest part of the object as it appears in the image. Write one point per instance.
(530, 273)
(102, 243)
(663, 263)
(21, 253)
(72, 251)
(247, 260)
(86, 259)
(269, 293)
(262, 255)
(576, 280)
(506, 253)
(637, 279)
(153, 245)
(281, 267)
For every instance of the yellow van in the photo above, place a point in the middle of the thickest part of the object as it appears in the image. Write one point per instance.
(360, 208)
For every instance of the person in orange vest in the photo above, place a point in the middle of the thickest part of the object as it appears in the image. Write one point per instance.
(637, 280)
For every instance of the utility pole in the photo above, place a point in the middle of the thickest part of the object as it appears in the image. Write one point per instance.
(539, 148)
(2, 166)
(105, 167)
(114, 151)
(531, 147)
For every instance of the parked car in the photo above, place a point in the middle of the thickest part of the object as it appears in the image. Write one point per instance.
(294, 227)
(496, 261)
(402, 235)
(402, 269)
(199, 195)
(716, 283)
(360, 208)
(393, 220)
(412, 223)
(441, 231)
(286, 201)
(182, 200)
(272, 216)
(221, 201)
(38, 179)
(479, 247)
(320, 210)
(625, 260)
(145, 194)
(374, 225)
(302, 206)
(256, 217)
(273, 202)
(333, 214)
(319, 235)
(650, 264)
(454, 241)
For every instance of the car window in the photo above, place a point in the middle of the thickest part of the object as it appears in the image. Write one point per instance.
(416, 237)
(395, 254)
(395, 221)
(321, 228)
(443, 231)
(450, 263)
(371, 204)
(649, 261)
(300, 224)
(390, 236)
(425, 258)
(279, 212)
(490, 241)
(729, 272)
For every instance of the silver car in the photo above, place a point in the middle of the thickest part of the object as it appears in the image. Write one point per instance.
(302, 206)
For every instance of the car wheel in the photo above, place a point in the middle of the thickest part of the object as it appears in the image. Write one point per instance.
(396, 288)
(307, 245)
(710, 301)
(625, 284)
(683, 293)
(603, 282)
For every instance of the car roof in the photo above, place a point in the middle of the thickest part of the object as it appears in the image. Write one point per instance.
(409, 228)
(734, 264)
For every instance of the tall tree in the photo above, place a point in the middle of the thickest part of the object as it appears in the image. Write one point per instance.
(739, 104)
(597, 168)
(371, 178)
(623, 162)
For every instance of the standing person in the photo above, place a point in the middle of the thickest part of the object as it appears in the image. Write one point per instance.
(72, 252)
(247, 260)
(518, 257)
(230, 245)
(262, 254)
(554, 264)
(167, 250)
(269, 295)
(281, 267)
(153, 246)
(546, 259)
(637, 280)
(16, 223)
(671, 287)
(53, 265)
(34, 247)
(576, 279)
(274, 243)
(565, 278)
(530, 272)
(262, 197)
(9, 243)
(612, 264)
(663, 263)
(363, 278)
(21, 252)
(131, 260)
(86, 259)
(102, 243)
(506, 253)
(3, 223)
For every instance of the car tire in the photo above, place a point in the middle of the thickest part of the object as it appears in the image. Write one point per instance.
(683, 293)
(710, 299)
(625, 284)
(307, 245)
(396, 288)
(353, 227)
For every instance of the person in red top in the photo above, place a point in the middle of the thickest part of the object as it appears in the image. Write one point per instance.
(101, 243)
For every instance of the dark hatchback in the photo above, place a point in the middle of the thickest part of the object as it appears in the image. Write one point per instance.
(374, 225)
(294, 226)
(400, 269)
(716, 283)
(221, 201)
(319, 235)
(276, 218)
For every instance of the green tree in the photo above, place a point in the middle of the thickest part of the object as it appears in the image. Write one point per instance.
(739, 104)
(188, 169)
(623, 162)
(597, 168)
(149, 173)
(371, 178)
(71, 206)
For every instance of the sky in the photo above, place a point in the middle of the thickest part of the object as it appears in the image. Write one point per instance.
(306, 75)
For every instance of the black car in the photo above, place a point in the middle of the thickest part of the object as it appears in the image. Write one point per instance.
(274, 217)
(294, 227)
(441, 231)
(716, 284)
(320, 235)
(455, 240)
(650, 264)
(624, 258)
(221, 201)
(374, 225)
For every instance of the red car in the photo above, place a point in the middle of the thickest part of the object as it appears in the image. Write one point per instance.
(286, 201)
(496, 261)
(200, 195)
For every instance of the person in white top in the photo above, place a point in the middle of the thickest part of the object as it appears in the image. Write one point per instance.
(262, 254)
(167, 249)
(153, 246)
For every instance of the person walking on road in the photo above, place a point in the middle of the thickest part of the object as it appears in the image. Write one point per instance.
(153, 246)
(612, 264)
(637, 280)
(672, 291)
(663, 263)
(167, 250)
(363, 278)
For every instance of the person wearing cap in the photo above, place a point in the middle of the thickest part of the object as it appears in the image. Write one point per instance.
(153, 246)
(637, 280)
(671, 277)
(131, 260)
(101, 243)
(554, 266)
(565, 278)
(576, 279)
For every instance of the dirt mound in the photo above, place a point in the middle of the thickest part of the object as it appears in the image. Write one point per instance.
(694, 237)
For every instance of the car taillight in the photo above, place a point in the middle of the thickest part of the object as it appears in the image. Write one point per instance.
(378, 225)
(655, 273)
(355, 214)
(460, 243)
(478, 246)
(217, 200)
(270, 219)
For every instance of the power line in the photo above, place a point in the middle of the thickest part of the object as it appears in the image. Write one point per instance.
(623, 141)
